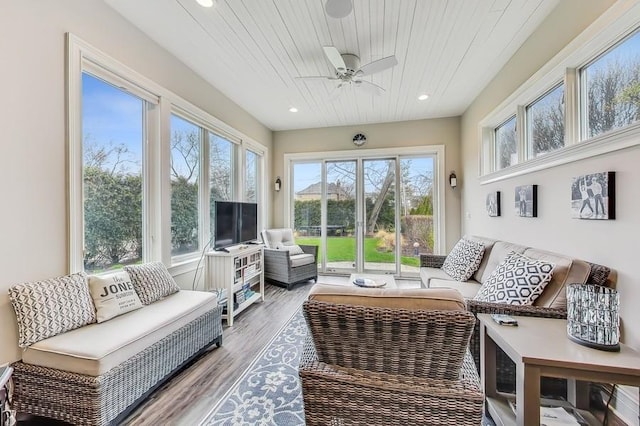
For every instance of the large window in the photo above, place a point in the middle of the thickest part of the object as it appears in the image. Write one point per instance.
(593, 110)
(506, 144)
(112, 145)
(185, 172)
(251, 177)
(145, 168)
(612, 86)
(545, 123)
(222, 154)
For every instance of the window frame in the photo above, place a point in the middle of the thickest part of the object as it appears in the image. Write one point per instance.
(617, 23)
(82, 57)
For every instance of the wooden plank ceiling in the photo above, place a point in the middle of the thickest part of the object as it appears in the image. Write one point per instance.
(254, 50)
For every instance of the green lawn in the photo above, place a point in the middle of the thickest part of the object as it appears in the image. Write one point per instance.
(343, 249)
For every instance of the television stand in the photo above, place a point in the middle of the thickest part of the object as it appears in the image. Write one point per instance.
(237, 274)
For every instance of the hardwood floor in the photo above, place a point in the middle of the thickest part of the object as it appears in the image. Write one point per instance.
(189, 396)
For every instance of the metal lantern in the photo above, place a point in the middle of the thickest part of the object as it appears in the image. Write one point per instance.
(592, 316)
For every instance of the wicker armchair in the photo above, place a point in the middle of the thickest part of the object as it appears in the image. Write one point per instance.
(370, 365)
(281, 265)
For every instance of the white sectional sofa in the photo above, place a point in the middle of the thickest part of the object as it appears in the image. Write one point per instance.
(97, 373)
(567, 270)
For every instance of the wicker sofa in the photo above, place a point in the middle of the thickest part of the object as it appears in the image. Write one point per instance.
(98, 373)
(550, 304)
(388, 357)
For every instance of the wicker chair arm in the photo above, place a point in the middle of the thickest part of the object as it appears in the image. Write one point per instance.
(310, 249)
(277, 256)
(432, 260)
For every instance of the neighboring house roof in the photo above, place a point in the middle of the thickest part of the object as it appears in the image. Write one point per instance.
(316, 189)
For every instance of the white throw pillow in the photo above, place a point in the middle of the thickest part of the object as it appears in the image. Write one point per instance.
(113, 295)
(464, 259)
(518, 280)
(292, 249)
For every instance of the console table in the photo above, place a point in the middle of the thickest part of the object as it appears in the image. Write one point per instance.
(540, 347)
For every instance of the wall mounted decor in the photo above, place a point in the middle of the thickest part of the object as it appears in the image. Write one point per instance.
(493, 203)
(527, 200)
(593, 196)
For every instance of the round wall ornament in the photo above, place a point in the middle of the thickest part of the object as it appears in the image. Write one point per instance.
(359, 139)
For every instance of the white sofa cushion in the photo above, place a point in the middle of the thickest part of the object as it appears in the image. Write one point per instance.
(152, 281)
(113, 295)
(468, 289)
(97, 348)
(427, 274)
(49, 307)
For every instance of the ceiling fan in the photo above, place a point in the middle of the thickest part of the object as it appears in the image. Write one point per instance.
(348, 71)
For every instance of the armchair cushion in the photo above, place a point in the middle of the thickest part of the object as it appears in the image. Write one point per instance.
(446, 299)
(292, 249)
(276, 238)
(301, 259)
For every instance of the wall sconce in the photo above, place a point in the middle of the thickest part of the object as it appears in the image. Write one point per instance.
(453, 180)
(278, 184)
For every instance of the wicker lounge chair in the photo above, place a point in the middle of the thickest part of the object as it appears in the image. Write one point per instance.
(373, 365)
(285, 267)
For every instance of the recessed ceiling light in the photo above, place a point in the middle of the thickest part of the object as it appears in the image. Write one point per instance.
(338, 8)
(423, 97)
(205, 3)
(293, 109)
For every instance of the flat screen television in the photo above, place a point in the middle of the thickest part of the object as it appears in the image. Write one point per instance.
(235, 223)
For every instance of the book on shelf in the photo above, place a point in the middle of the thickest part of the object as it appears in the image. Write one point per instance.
(556, 412)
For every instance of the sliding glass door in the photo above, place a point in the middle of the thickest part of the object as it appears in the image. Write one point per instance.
(366, 214)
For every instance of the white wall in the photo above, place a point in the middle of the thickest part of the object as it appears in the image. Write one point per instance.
(441, 131)
(33, 217)
(613, 243)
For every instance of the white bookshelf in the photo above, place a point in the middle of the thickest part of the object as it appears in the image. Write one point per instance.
(228, 272)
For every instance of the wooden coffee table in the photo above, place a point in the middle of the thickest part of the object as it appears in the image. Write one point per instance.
(378, 278)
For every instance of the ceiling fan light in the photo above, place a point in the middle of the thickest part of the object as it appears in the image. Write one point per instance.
(206, 3)
(338, 8)
(423, 97)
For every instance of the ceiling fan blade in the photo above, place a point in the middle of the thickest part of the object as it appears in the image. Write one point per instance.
(377, 66)
(316, 77)
(370, 87)
(335, 58)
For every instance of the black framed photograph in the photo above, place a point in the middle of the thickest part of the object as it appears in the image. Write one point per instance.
(593, 196)
(493, 204)
(526, 197)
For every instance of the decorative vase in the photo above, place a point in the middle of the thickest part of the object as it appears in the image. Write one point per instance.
(592, 316)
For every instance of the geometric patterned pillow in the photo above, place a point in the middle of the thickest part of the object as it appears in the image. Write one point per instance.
(464, 259)
(518, 280)
(152, 281)
(50, 307)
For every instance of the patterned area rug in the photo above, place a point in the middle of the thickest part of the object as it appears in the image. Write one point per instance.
(268, 393)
